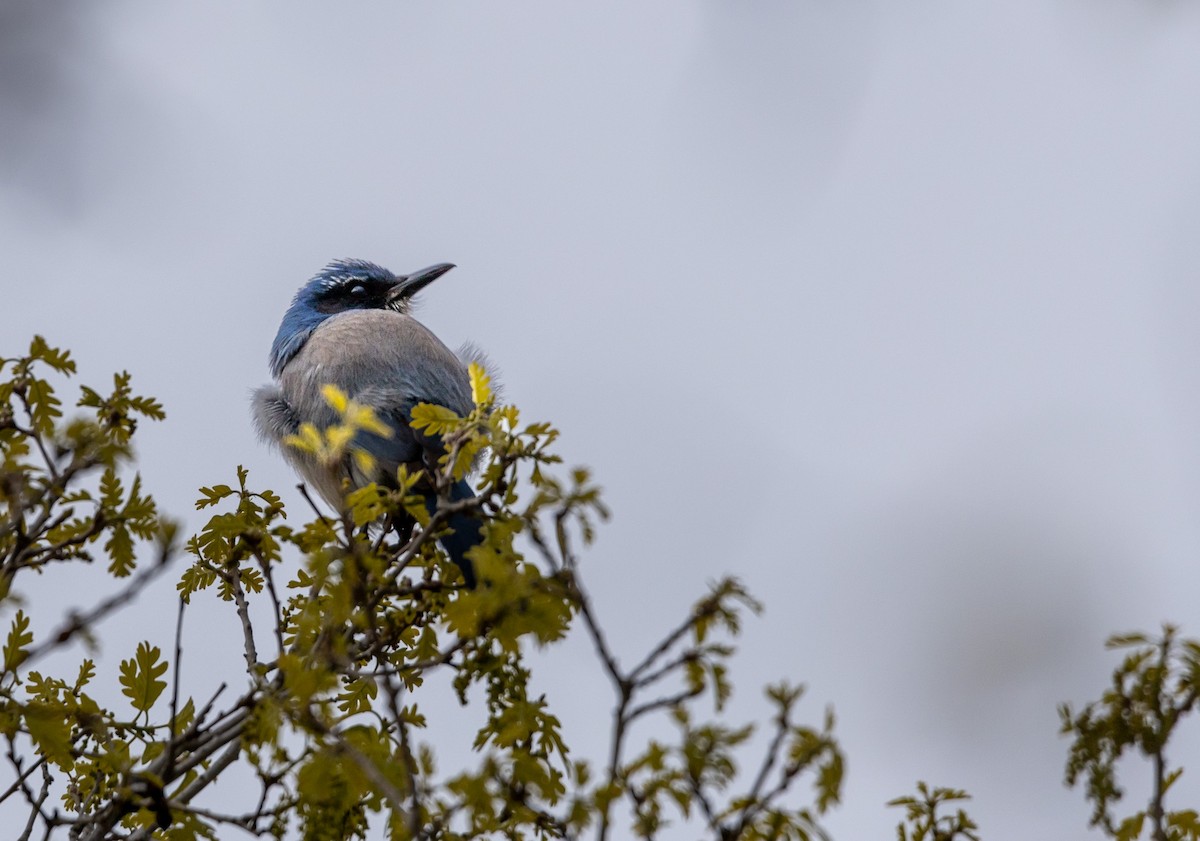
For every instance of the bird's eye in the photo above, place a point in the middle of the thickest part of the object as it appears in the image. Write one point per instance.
(358, 290)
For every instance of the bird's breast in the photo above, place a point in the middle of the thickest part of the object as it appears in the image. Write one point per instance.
(377, 352)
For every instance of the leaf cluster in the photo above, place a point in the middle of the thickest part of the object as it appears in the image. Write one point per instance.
(922, 821)
(61, 491)
(64, 498)
(343, 619)
(1156, 685)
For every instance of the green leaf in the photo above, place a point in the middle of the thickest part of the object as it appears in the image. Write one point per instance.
(45, 689)
(59, 360)
(140, 677)
(434, 420)
(1186, 821)
(51, 732)
(211, 496)
(183, 720)
(87, 671)
(44, 407)
(194, 578)
(148, 406)
(481, 384)
(1130, 828)
(119, 547)
(89, 398)
(1126, 640)
(357, 696)
(111, 490)
(139, 511)
(19, 639)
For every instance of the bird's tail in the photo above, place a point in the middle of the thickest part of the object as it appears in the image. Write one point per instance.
(465, 530)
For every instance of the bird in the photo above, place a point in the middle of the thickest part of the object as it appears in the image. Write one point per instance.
(350, 326)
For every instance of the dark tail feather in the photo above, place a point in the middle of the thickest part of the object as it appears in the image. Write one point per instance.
(465, 534)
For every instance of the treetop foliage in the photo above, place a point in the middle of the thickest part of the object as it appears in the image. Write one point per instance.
(344, 618)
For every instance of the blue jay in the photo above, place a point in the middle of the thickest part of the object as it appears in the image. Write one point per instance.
(349, 326)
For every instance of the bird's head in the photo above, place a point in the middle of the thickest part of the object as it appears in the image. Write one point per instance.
(359, 285)
(341, 286)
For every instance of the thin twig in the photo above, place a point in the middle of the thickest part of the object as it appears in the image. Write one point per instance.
(36, 811)
(274, 594)
(753, 804)
(664, 703)
(234, 578)
(392, 691)
(77, 622)
(21, 777)
(170, 751)
(662, 648)
(688, 656)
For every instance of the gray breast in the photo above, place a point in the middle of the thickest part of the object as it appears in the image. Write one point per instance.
(382, 358)
(378, 358)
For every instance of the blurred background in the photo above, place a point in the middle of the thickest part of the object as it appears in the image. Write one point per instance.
(889, 309)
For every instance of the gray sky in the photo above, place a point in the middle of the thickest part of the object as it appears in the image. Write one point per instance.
(888, 309)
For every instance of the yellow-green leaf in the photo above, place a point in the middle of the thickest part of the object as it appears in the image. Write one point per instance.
(140, 677)
(19, 639)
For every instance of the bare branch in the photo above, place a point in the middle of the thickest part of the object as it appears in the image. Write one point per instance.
(77, 622)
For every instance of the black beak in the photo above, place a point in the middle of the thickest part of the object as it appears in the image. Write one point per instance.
(410, 284)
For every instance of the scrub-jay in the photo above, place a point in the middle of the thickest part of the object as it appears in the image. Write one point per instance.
(349, 326)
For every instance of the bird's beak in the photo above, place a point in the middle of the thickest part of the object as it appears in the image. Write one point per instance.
(410, 284)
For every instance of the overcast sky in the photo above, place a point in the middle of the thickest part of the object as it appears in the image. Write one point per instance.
(888, 308)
